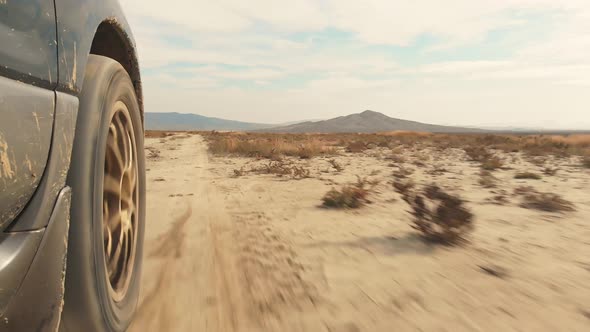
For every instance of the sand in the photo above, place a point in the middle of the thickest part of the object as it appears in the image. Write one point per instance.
(257, 252)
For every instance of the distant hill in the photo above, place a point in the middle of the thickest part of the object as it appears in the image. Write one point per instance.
(366, 122)
(180, 121)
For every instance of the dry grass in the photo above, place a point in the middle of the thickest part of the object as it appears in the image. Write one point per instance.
(153, 153)
(492, 163)
(477, 153)
(499, 199)
(351, 196)
(488, 161)
(478, 147)
(281, 168)
(397, 158)
(524, 190)
(437, 170)
(548, 202)
(157, 134)
(403, 187)
(576, 139)
(402, 172)
(336, 165)
(527, 175)
(356, 147)
(487, 180)
(439, 216)
(267, 145)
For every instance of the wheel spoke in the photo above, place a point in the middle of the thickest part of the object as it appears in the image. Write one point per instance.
(123, 143)
(120, 202)
(112, 185)
(113, 154)
(116, 256)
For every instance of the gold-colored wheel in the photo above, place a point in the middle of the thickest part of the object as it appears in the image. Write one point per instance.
(120, 202)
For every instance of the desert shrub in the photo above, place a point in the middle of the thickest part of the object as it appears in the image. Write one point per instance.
(402, 172)
(157, 134)
(351, 196)
(486, 179)
(403, 187)
(486, 159)
(437, 170)
(586, 161)
(491, 163)
(440, 217)
(396, 158)
(548, 202)
(576, 139)
(337, 166)
(153, 153)
(499, 199)
(550, 171)
(269, 146)
(477, 153)
(527, 175)
(299, 172)
(523, 190)
(538, 160)
(281, 168)
(356, 146)
(239, 172)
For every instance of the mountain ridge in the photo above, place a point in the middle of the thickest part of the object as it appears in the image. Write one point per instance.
(366, 122)
(189, 121)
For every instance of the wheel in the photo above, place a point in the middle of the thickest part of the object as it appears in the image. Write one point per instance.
(107, 177)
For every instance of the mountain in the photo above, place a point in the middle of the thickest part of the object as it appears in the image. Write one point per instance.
(180, 121)
(366, 122)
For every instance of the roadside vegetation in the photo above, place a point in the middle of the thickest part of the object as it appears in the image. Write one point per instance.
(412, 163)
(439, 216)
(267, 146)
(351, 196)
(481, 148)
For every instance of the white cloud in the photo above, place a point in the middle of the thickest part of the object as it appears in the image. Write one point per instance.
(542, 79)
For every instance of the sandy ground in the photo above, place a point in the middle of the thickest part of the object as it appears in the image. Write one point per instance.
(257, 253)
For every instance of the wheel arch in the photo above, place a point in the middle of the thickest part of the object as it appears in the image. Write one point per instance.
(111, 40)
(98, 27)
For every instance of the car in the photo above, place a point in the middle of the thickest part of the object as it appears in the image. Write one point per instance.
(72, 166)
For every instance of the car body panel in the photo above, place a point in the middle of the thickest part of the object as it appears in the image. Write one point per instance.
(18, 250)
(28, 74)
(26, 121)
(28, 26)
(39, 208)
(76, 32)
(37, 304)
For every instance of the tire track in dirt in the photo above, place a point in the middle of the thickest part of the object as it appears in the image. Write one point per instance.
(169, 250)
(212, 268)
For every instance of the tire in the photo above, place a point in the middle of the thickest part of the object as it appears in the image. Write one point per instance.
(102, 282)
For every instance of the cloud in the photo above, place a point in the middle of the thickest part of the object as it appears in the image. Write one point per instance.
(455, 61)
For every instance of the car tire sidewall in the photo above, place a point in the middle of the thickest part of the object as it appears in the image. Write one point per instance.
(87, 288)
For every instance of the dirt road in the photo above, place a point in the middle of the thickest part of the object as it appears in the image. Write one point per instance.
(195, 274)
(255, 253)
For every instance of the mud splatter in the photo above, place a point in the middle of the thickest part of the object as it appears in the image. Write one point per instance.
(37, 121)
(5, 165)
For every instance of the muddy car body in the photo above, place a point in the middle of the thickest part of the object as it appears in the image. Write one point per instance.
(55, 55)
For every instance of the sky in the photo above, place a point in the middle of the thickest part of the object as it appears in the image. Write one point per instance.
(516, 63)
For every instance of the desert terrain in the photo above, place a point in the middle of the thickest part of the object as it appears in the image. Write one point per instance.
(242, 236)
